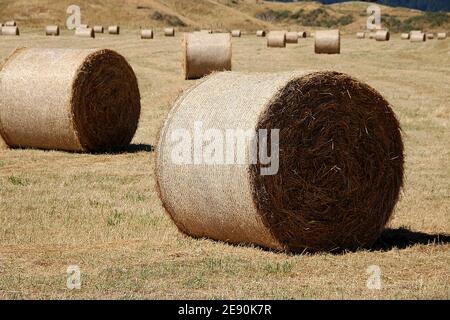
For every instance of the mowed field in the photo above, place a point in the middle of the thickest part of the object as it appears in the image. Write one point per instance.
(102, 213)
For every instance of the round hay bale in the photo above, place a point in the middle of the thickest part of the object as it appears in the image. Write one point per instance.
(169, 32)
(260, 33)
(146, 34)
(442, 36)
(382, 35)
(405, 36)
(302, 34)
(327, 41)
(276, 39)
(52, 30)
(83, 26)
(430, 36)
(372, 35)
(68, 99)
(114, 30)
(360, 35)
(11, 23)
(236, 33)
(10, 31)
(85, 32)
(99, 29)
(205, 53)
(291, 37)
(417, 36)
(340, 161)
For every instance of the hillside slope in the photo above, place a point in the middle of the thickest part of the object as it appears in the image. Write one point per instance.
(218, 14)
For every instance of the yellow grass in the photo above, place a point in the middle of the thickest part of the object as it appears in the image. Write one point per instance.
(102, 213)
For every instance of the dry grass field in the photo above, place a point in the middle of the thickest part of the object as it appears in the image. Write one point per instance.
(102, 213)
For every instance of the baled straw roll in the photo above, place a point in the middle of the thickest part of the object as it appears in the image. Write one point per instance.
(204, 53)
(442, 36)
(236, 33)
(169, 32)
(302, 34)
(276, 39)
(417, 36)
(340, 161)
(327, 41)
(360, 35)
(146, 34)
(85, 32)
(98, 29)
(405, 36)
(430, 36)
(83, 26)
(291, 37)
(382, 35)
(10, 31)
(260, 33)
(11, 23)
(68, 99)
(114, 30)
(52, 30)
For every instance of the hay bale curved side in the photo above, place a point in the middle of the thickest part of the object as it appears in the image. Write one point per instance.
(169, 32)
(236, 33)
(291, 37)
(302, 34)
(417, 36)
(382, 35)
(260, 33)
(52, 30)
(205, 53)
(10, 31)
(146, 34)
(327, 41)
(114, 30)
(98, 29)
(10, 23)
(85, 32)
(442, 36)
(342, 204)
(405, 36)
(430, 36)
(70, 99)
(276, 39)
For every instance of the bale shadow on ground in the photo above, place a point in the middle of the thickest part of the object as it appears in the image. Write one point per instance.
(131, 148)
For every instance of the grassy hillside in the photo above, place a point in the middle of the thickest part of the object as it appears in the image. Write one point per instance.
(219, 14)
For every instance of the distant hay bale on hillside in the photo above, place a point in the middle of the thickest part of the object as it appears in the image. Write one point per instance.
(146, 34)
(333, 130)
(327, 41)
(114, 30)
(10, 23)
(276, 39)
(169, 32)
(291, 37)
(68, 99)
(236, 33)
(430, 36)
(83, 26)
(52, 30)
(382, 35)
(85, 32)
(360, 35)
(10, 31)
(260, 33)
(442, 36)
(417, 36)
(405, 36)
(99, 29)
(205, 53)
(302, 34)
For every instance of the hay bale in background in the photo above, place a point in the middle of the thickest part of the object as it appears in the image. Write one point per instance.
(52, 30)
(430, 36)
(11, 23)
(206, 31)
(405, 36)
(327, 41)
(10, 31)
(98, 29)
(360, 35)
(442, 36)
(291, 37)
(83, 26)
(169, 32)
(236, 33)
(114, 30)
(382, 35)
(302, 34)
(68, 99)
(372, 35)
(276, 39)
(146, 34)
(260, 33)
(417, 36)
(204, 53)
(303, 206)
(85, 32)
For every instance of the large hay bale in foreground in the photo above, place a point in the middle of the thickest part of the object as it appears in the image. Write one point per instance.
(52, 30)
(146, 34)
(291, 37)
(327, 41)
(405, 36)
(98, 29)
(417, 36)
(114, 29)
(382, 35)
(169, 32)
(10, 31)
(442, 36)
(276, 39)
(360, 35)
(260, 33)
(236, 33)
(85, 32)
(68, 99)
(204, 53)
(340, 161)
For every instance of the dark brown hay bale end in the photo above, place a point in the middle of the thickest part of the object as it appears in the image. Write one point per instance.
(10, 31)
(205, 53)
(68, 99)
(98, 29)
(340, 162)
(291, 37)
(236, 33)
(146, 34)
(417, 36)
(442, 36)
(360, 35)
(327, 41)
(276, 39)
(169, 32)
(382, 35)
(85, 32)
(260, 33)
(52, 30)
(114, 30)
(405, 36)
